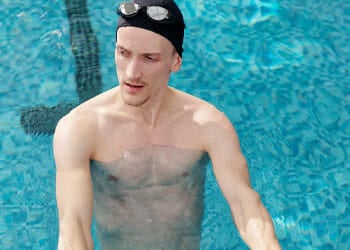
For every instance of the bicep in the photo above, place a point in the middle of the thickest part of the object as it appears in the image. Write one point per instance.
(74, 196)
(229, 164)
(72, 149)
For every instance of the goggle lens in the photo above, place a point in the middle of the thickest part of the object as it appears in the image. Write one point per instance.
(157, 13)
(128, 9)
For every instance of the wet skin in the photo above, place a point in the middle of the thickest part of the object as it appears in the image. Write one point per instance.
(150, 198)
(146, 141)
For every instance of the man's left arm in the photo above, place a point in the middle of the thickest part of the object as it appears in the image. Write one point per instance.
(230, 168)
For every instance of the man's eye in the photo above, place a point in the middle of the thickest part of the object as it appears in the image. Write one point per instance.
(150, 58)
(122, 52)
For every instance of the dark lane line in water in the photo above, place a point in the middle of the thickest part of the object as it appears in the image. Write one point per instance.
(42, 119)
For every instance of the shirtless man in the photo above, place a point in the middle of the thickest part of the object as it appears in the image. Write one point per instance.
(135, 156)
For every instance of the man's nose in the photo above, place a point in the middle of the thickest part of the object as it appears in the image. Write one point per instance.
(133, 70)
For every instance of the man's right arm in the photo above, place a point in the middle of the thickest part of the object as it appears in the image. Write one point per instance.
(73, 143)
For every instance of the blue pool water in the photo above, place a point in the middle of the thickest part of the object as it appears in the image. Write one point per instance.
(280, 70)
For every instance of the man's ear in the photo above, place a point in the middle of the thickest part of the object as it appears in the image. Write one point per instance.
(176, 63)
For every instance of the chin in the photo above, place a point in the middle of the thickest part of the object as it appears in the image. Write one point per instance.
(134, 101)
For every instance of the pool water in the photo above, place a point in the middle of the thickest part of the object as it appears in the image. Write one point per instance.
(278, 69)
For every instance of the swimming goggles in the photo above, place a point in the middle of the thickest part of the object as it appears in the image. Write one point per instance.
(157, 14)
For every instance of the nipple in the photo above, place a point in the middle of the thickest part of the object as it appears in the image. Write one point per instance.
(112, 178)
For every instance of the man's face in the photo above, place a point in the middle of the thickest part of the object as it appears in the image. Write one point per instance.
(144, 62)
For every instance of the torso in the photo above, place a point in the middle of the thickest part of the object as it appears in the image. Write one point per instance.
(151, 198)
(148, 183)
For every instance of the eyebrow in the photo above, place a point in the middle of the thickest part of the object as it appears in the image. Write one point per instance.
(121, 47)
(144, 53)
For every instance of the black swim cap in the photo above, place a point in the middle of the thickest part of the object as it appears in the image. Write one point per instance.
(172, 30)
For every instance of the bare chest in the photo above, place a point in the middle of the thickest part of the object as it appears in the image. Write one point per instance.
(151, 165)
(123, 140)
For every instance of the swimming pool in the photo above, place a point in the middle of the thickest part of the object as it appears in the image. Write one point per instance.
(279, 70)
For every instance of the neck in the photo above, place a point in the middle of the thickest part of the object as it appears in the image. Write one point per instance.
(149, 113)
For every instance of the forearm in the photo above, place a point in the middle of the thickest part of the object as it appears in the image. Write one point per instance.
(73, 237)
(254, 223)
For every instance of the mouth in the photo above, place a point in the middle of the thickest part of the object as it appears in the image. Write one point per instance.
(133, 87)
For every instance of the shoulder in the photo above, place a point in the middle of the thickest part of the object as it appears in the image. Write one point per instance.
(74, 136)
(77, 130)
(84, 119)
(215, 125)
(217, 133)
(204, 113)
(76, 122)
(211, 123)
